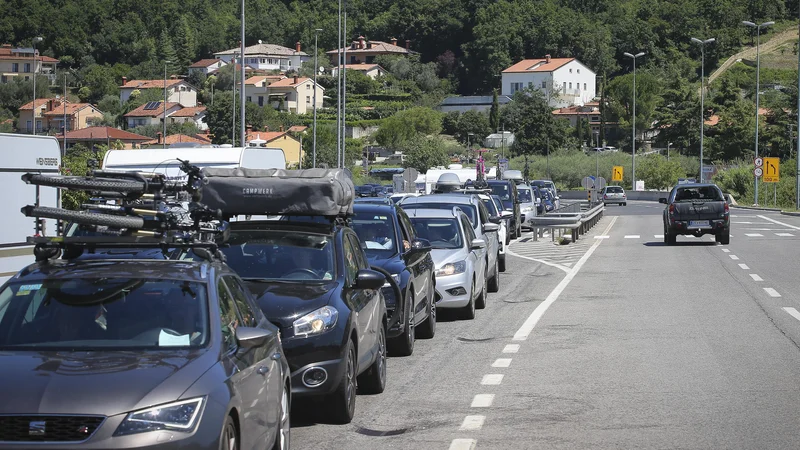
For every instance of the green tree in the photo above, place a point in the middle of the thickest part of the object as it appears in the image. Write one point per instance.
(186, 43)
(475, 123)
(423, 152)
(658, 173)
(531, 120)
(99, 80)
(326, 148)
(404, 125)
(359, 83)
(450, 122)
(167, 54)
(494, 112)
(648, 96)
(77, 162)
(734, 135)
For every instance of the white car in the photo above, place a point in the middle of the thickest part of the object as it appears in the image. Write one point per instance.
(458, 255)
(495, 210)
(527, 204)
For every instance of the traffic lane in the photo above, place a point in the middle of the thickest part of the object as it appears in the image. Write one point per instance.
(429, 393)
(635, 208)
(649, 346)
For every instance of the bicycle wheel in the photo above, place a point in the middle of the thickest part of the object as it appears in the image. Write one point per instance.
(85, 183)
(84, 217)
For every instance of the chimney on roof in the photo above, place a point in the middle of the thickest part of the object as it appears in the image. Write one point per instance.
(280, 128)
(297, 46)
(296, 79)
(369, 44)
(408, 44)
(124, 81)
(361, 42)
(159, 137)
(51, 104)
(173, 77)
(393, 41)
(547, 58)
(249, 129)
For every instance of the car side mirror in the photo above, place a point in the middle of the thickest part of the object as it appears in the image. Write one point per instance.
(495, 219)
(420, 245)
(662, 200)
(369, 279)
(506, 214)
(490, 227)
(478, 244)
(249, 337)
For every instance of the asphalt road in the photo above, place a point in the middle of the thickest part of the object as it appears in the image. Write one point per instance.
(615, 341)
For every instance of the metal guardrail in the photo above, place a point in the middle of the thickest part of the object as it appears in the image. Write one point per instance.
(579, 222)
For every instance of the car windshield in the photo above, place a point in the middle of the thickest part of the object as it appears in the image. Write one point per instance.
(524, 195)
(702, 193)
(489, 203)
(364, 189)
(376, 233)
(614, 190)
(501, 190)
(280, 255)
(470, 210)
(442, 233)
(84, 314)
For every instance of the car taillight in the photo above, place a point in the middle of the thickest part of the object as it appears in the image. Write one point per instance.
(727, 208)
(605, 196)
(672, 209)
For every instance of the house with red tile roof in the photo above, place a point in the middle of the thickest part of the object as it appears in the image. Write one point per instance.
(151, 113)
(103, 136)
(49, 115)
(177, 139)
(296, 94)
(19, 62)
(207, 66)
(178, 90)
(365, 51)
(563, 81)
(195, 115)
(371, 70)
(267, 57)
(291, 146)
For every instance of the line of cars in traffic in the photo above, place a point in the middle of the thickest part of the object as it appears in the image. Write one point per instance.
(140, 347)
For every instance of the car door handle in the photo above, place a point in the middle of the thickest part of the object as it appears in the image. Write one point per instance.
(262, 370)
(276, 356)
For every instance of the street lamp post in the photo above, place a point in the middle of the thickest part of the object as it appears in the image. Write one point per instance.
(339, 92)
(669, 144)
(702, 44)
(233, 108)
(633, 120)
(758, 87)
(164, 119)
(242, 90)
(316, 69)
(35, 40)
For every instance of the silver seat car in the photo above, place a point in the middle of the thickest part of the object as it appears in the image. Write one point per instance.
(458, 256)
(478, 216)
(614, 194)
(527, 204)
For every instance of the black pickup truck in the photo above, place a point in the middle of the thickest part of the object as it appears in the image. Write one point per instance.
(696, 209)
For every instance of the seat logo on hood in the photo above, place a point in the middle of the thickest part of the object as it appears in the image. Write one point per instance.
(36, 428)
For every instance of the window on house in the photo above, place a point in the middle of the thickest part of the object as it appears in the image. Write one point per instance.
(3, 79)
(249, 99)
(308, 87)
(516, 87)
(570, 84)
(530, 84)
(290, 63)
(27, 67)
(353, 60)
(584, 86)
(15, 67)
(544, 84)
(260, 100)
(570, 70)
(370, 59)
(579, 70)
(308, 100)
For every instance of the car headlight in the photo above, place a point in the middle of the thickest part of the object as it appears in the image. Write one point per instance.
(316, 322)
(452, 269)
(395, 277)
(177, 416)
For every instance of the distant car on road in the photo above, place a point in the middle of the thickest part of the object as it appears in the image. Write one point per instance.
(615, 194)
(527, 204)
(552, 186)
(366, 191)
(696, 209)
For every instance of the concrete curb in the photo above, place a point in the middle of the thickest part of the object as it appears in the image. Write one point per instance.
(756, 208)
(789, 213)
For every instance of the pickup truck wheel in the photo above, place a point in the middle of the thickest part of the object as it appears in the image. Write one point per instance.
(625, 204)
(724, 238)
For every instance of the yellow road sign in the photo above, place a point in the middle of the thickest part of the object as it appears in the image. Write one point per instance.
(772, 170)
(617, 174)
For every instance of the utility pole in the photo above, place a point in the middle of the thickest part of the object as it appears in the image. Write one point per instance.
(233, 108)
(633, 120)
(242, 92)
(339, 92)
(344, 90)
(797, 156)
(316, 69)
(164, 119)
(33, 126)
(702, 44)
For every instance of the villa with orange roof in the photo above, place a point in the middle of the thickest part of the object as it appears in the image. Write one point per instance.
(178, 91)
(563, 81)
(49, 115)
(19, 62)
(297, 94)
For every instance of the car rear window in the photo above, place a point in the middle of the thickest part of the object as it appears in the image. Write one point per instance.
(524, 195)
(701, 193)
(469, 210)
(614, 190)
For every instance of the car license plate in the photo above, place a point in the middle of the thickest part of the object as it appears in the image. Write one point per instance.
(699, 224)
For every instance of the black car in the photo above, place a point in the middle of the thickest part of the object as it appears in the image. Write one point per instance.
(366, 190)
(507, 191)
(695, 210)
(391, 243)
(313, 280)
(128, 351)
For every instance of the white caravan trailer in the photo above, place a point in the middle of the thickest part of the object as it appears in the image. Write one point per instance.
(165, 160)
(20, 154)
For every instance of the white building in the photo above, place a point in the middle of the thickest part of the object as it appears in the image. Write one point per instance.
(206, 66)
(267, 57)
(563, 81)
(178, 91)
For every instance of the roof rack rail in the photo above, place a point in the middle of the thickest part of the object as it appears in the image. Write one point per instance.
(46, 248)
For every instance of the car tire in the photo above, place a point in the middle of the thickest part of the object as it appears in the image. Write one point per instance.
(494, 282)
(342, 402)
(480, 302)
(373, 381)
(283, 437)
(502, 264)
(427, 329)
(229, 438)
(403, 345)
(625, 204)
(724, 238)
(468, 312)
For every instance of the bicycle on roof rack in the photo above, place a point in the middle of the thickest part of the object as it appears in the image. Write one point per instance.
(130, 209)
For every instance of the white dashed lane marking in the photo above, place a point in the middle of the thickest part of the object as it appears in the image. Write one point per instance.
(492, 379)
(744, 267)
(755, 277)
(502, 362)
(734, 257)
(632, 236)
(754, 235)
(472, 423)
(658, 236)
(784, 234)
(482, 401)
(602, 237)
(725, 250)
(463, 444)
(511, 348)
(772, 292)
(792, 312)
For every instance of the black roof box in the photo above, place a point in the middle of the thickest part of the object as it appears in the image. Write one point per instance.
(308, 192)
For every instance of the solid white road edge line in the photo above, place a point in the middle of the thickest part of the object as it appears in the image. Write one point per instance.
(472, 423)
(527, 327)
(511, 348)
(779, 223)
(492, 379)
(792, 312)
(482, 401)
(463, 444)
(772, 292)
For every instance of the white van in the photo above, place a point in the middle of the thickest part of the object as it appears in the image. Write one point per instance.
(20, 154)
(165, 160)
